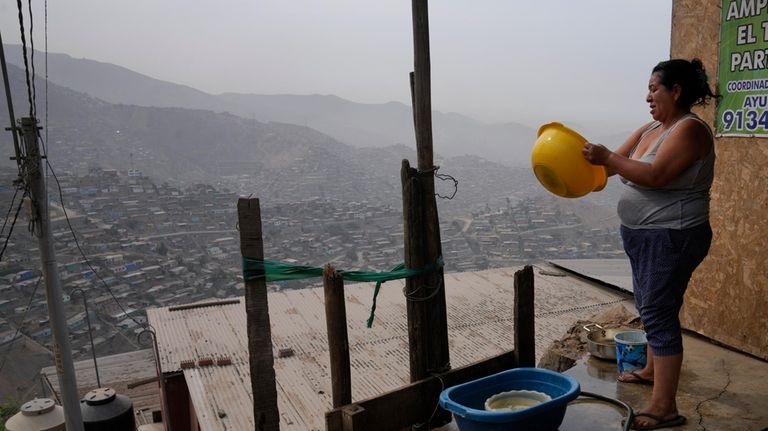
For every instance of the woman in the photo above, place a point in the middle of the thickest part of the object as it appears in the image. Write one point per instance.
(667, 168)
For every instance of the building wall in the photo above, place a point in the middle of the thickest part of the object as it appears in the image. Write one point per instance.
(727, 299)
(177, 413)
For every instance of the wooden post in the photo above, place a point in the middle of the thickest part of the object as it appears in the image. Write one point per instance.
(354, 418)
(525, 340)
(338, 343)
(427, 319)
(422, 85)
(265, 414)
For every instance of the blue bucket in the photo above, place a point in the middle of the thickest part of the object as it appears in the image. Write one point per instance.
(631, 350)
(467, 401)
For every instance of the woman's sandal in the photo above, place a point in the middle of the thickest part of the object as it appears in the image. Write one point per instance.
(634, 378)
(660, 422)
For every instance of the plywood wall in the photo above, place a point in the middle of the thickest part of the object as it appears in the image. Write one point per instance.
(727, 299)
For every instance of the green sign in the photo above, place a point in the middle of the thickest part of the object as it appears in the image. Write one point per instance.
(743, 73)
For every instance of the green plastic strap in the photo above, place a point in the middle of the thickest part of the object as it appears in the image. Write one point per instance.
(270, 270)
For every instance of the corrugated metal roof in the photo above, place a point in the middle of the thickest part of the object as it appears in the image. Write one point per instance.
(128, 374)
(616, 272)
(480, 318)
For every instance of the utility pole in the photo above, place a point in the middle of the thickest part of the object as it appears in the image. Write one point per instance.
(33, 168)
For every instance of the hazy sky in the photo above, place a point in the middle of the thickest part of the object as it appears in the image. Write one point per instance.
(585, 61)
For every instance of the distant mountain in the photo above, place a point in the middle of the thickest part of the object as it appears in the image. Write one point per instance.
(377, 125)
(356, 124)
(275, 161)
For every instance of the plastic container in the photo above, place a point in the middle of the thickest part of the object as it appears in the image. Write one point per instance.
(559, 165)
(105, 409)
(631, 350)
(467, 401)
(40, 414)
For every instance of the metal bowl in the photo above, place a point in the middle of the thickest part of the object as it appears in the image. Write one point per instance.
(600, 343)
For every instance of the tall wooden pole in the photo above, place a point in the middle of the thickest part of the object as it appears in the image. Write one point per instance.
(427, 320)
(421, 93)
(338, 341)
(265, 414)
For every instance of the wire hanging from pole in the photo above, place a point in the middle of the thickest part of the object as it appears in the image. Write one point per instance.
(20, 323)
(90, 331)
(82, 253)
(24, 54)
(45, 148)
(32, 59)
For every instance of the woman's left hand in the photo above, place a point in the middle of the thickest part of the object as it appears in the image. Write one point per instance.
(595, 153)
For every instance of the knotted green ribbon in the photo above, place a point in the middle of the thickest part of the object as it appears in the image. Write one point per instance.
(270, 270)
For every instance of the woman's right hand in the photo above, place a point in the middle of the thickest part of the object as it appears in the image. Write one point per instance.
(595, 153)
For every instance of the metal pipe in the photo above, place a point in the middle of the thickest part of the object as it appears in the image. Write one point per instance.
(33, 176)
(166, 416)
(90, 332)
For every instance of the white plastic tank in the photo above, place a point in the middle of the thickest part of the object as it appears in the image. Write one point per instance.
(40, 414)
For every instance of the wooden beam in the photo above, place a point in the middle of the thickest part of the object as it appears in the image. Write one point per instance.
(403, 407)
(265, 412)
(525, 330)
(338, 341)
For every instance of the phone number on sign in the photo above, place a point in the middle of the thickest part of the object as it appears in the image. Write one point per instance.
(745, 119)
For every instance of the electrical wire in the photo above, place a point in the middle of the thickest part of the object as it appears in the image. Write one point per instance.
(10, 230)
(32, 59)
(82, 253)
(46, 78)
(19, 324)
(10, 207)
(628, 420)
(24, 52)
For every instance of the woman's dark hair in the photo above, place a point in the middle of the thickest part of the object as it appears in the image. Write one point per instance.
(690, 76)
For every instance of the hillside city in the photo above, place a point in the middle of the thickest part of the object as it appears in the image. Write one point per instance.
(146, 245)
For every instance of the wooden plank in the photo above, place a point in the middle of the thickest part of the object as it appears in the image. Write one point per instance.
(403, 407)
(338, 341)
(334, 420)
(525, 339)
(265, 412)
(353, 417)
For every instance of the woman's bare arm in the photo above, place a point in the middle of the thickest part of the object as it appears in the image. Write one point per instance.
(681, 148)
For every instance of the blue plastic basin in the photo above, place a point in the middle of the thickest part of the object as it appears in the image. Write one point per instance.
(467, 401)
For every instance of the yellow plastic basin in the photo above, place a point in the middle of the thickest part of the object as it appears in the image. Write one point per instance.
(559, 165)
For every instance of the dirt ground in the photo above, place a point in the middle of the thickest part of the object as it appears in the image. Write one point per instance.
(562, 354)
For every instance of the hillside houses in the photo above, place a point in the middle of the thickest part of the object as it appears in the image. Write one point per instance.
(151, 245)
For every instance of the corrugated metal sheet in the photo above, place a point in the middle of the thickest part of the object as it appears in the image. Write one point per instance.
(135, 369)
(480, 318)
(617, 272)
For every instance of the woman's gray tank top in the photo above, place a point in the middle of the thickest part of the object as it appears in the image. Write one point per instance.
(681, 204)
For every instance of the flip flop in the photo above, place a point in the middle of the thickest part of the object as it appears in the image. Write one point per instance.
(660, 422)
(638, 379)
